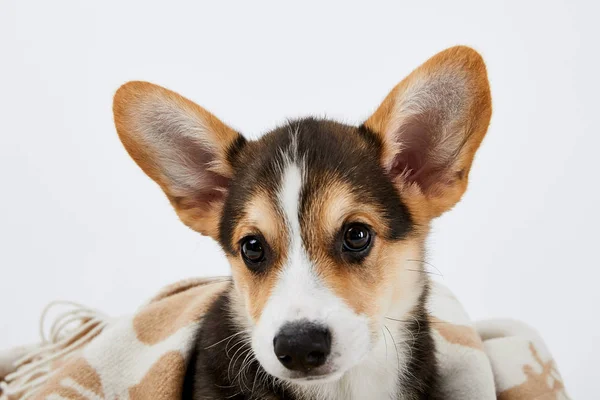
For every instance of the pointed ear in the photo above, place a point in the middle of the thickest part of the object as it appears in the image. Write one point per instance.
(181, 146)
(431, 125)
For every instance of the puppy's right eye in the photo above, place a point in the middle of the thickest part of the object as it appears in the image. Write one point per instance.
(357, 238)
(253, 251)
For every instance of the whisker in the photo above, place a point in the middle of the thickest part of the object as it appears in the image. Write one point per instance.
(228, 337)
(414, 339)
(385, 341)
(428, 264)
(254, 382)
(241, 341)
(241, 376)
(397, 320)
(234, 395)
(424, 272)
(233, 359)
(395, 345)
(418, 324)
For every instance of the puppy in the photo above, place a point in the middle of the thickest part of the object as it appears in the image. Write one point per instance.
(324, 226)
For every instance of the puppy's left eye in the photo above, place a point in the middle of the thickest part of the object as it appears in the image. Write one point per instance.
(357, 237)
(253, 251)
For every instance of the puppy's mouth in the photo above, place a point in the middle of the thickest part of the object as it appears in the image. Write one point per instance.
(317, 376)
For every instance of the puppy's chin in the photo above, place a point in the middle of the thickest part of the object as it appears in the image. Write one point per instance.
(317, 379)
(324, 374)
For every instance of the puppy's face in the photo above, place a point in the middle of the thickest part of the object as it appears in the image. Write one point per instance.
(322, 223)
(316, 234)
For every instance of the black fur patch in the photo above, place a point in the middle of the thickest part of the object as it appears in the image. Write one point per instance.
(422, 382)
(235, 148)
(215, 370)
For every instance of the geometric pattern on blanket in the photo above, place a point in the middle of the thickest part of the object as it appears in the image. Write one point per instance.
(144, 355)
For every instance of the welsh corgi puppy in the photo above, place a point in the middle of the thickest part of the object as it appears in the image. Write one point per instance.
(324, 226)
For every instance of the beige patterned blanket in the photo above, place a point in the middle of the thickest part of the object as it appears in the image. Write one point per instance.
(143, 356)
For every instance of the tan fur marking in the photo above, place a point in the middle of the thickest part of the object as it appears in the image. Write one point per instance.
(254, 289)
(335, 205)
(204, 220)
(259, 216)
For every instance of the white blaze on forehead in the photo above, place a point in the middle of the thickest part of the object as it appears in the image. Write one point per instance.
(289, 199)
(298, 275)
(299, 292)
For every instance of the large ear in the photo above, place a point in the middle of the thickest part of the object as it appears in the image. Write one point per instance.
(181, 146)
(431, 125)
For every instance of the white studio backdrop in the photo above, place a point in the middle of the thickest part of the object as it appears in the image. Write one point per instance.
(80, 221)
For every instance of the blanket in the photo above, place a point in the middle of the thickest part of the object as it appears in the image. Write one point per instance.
(89, 355)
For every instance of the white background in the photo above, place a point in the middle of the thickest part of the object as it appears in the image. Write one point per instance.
(80, 221)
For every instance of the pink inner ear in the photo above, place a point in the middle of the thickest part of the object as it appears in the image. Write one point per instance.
(214, 192)
(193, 178)
(415, 161)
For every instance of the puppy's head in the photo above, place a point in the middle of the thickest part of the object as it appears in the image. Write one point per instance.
(322, 222)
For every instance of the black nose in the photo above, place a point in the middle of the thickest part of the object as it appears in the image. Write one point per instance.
(302, 346)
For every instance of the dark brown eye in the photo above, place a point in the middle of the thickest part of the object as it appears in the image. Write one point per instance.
(253, 250)
(357, 238)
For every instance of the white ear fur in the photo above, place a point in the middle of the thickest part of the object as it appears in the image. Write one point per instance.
(181, 146)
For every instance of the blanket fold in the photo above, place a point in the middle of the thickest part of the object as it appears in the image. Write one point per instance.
(88, 355)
